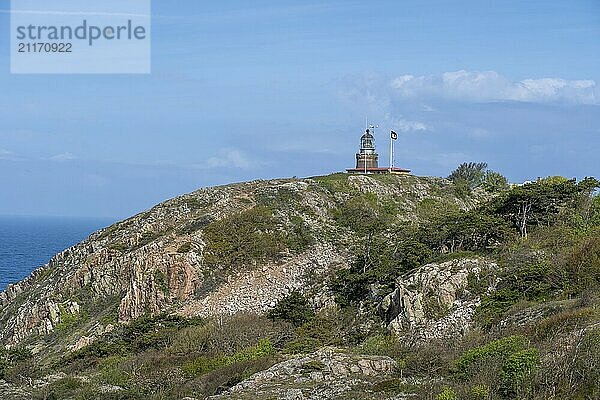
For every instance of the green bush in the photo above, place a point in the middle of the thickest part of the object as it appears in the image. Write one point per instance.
(112, 373)
(382, 261)
(516, 371)
(312, 366)
(327, 328)
(335, 183)
(11, 357)
(564, 321)
(250, 237)
(294, 309)
(161, 280)
(582, 267)
(447, 394)
(528, 281)
(380, 345)
(364, 214)
(502, 348)
(394, 386)
(479, 392)
(143, 333)
(185, 247)
(203, 365)
(475, 230)
(65, 388)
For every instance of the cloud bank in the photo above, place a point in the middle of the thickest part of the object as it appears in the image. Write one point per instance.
(486, 86)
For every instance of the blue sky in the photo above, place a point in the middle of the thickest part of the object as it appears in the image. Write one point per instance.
(262, 89)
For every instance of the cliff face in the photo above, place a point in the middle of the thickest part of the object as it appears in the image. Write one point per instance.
(434, 302)
(216, 251)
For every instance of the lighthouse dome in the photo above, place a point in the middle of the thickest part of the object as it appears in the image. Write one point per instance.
(367, 141)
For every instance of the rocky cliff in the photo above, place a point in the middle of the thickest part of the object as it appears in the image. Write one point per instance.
(167, 259)
(333, 287)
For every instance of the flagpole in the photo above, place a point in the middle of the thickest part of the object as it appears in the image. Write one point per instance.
(391, 152)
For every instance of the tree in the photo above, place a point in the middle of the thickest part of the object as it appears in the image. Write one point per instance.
(471, 173)
(540, 202)
(294, 309)
(465, 231)
(494, 181)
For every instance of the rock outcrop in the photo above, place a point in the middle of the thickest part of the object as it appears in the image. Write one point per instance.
(326, 374)
(434, 301)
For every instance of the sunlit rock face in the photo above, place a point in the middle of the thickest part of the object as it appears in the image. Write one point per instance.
(434, 301)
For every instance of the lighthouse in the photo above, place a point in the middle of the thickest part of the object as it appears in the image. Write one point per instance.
(367, 159)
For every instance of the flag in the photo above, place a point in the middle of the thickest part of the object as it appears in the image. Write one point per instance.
(394, 135)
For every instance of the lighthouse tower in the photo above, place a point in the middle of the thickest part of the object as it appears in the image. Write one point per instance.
(367, 158)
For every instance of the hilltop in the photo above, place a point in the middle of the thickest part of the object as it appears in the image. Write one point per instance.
(340, 286)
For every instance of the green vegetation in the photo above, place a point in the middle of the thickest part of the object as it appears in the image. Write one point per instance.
(447, 394)
(165, 357)
(185, 247)
(68, 320)
(335, 183)
(250, 237)
(469, 176)
(294, 309)
(471, 361)
(12, 359)
(161, 280)
(535, 336)
(204, 365)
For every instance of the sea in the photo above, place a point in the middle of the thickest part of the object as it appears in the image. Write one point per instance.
(27, 243)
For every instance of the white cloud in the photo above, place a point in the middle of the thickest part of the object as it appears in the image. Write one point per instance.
(475, 86)
(63, 157)
(6, 155)
(404, 125)
(231, 158)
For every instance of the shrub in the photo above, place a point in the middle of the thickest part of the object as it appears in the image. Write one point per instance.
(474, 230)
(294, 309)
(380, 345)
(562, 322)
(112, 373)
(516, 370)
(12, 357)
(394, 386)
(252, 236)
(185, 247)
(364, 214)
(63, 388)
(203, 365)
(383, 259)
(327, 328)
(582, 268)
(480, 392)
(161, 280)
(447, 394)
(502, 348)
(312, 366)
